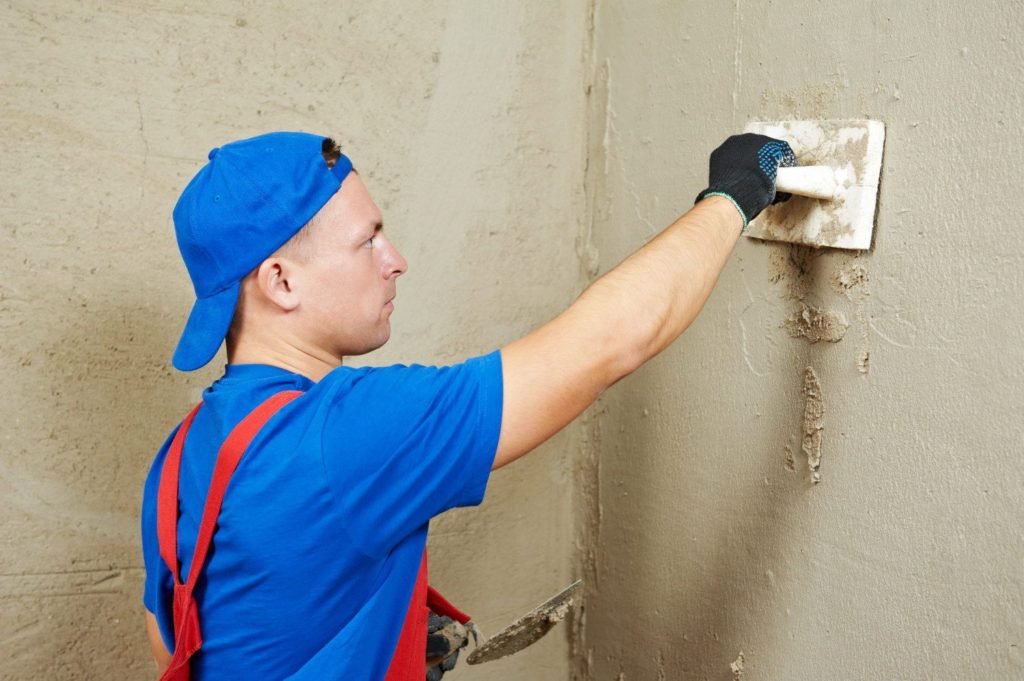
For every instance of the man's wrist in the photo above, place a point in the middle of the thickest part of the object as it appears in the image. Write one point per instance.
(724, 199)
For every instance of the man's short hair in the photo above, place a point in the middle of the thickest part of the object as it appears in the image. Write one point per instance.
(299, 246)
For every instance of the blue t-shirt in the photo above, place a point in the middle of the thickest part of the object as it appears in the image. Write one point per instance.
(324, 522)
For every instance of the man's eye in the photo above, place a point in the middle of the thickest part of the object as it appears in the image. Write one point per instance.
(369, 242)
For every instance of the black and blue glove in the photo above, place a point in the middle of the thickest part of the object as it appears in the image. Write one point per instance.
(445, 637)
(743, 170)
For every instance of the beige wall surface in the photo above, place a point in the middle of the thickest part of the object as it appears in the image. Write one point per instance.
(466, 121)
(907, 560)
(518, 150)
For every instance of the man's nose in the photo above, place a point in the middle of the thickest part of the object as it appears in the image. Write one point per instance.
(395, 265)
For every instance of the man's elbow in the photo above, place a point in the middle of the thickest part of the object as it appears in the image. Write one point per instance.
(161, 656)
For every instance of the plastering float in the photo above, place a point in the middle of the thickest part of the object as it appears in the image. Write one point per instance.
(834, 189)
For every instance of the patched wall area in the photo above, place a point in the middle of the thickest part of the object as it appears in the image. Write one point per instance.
(894, 377)
(466, 122)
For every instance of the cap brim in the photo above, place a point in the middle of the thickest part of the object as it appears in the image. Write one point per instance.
(205, 329)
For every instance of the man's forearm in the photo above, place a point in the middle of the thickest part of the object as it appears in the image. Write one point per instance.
(622, 320)
(649, 299)
(633, 312)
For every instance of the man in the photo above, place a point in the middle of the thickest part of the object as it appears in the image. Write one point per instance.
(317, 567)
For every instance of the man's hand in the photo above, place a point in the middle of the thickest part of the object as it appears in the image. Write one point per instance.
(445, 637)
(743, 170)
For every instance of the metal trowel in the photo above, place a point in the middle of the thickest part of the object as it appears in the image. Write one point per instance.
(834, 188)
(528, 629)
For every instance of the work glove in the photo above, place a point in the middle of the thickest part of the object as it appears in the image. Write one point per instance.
(743, 170)
(445, 637)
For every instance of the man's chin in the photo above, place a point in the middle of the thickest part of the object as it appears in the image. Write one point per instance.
(375, 345)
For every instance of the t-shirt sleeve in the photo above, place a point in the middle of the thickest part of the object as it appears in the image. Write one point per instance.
(402, 444)
(156, 573)
(150, 554)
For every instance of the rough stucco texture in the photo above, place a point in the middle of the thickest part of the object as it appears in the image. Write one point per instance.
(466, 122)
(706, 535)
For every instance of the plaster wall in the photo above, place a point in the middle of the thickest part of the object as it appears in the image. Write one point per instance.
(710, 553)
(466, 122)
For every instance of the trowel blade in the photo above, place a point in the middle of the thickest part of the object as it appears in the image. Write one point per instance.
(854, 149)
(528, 629)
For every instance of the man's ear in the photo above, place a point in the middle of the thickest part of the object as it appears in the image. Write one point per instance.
(273, 283)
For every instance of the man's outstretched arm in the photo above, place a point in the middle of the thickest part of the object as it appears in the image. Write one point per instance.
(637, 309)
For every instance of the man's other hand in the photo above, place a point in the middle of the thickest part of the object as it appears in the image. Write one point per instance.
(445, 637)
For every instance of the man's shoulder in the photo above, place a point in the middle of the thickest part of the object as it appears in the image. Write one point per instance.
(363, 386)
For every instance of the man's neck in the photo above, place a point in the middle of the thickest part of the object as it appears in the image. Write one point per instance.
(313, 365)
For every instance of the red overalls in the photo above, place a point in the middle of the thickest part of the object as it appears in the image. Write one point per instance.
(409, 660)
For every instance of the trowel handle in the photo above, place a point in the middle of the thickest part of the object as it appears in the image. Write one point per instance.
(818, 182)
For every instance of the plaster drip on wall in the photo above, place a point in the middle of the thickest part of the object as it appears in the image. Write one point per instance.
(736, 667)
(851, 281)
(814, 412)
(790, 459)
(791, 266)
(814, 324)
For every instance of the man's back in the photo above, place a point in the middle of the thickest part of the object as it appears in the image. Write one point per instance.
(324, 522)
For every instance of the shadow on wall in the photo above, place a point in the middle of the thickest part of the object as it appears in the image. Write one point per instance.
(108, 399)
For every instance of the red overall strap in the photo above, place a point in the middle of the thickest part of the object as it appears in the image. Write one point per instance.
(442, 606)
(187, 636)
(409, 662)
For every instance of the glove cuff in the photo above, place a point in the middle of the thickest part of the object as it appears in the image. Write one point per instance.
(709, 192)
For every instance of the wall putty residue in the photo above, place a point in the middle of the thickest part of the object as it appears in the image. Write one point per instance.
(736, 667)
(851, 281)
(814, 412)
(813, 325)
(790, 460)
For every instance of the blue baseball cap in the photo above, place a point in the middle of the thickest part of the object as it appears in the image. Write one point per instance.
(250, 198)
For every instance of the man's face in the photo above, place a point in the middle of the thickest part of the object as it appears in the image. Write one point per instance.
(347, 286)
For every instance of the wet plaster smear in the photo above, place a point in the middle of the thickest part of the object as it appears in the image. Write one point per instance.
(894, 377)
